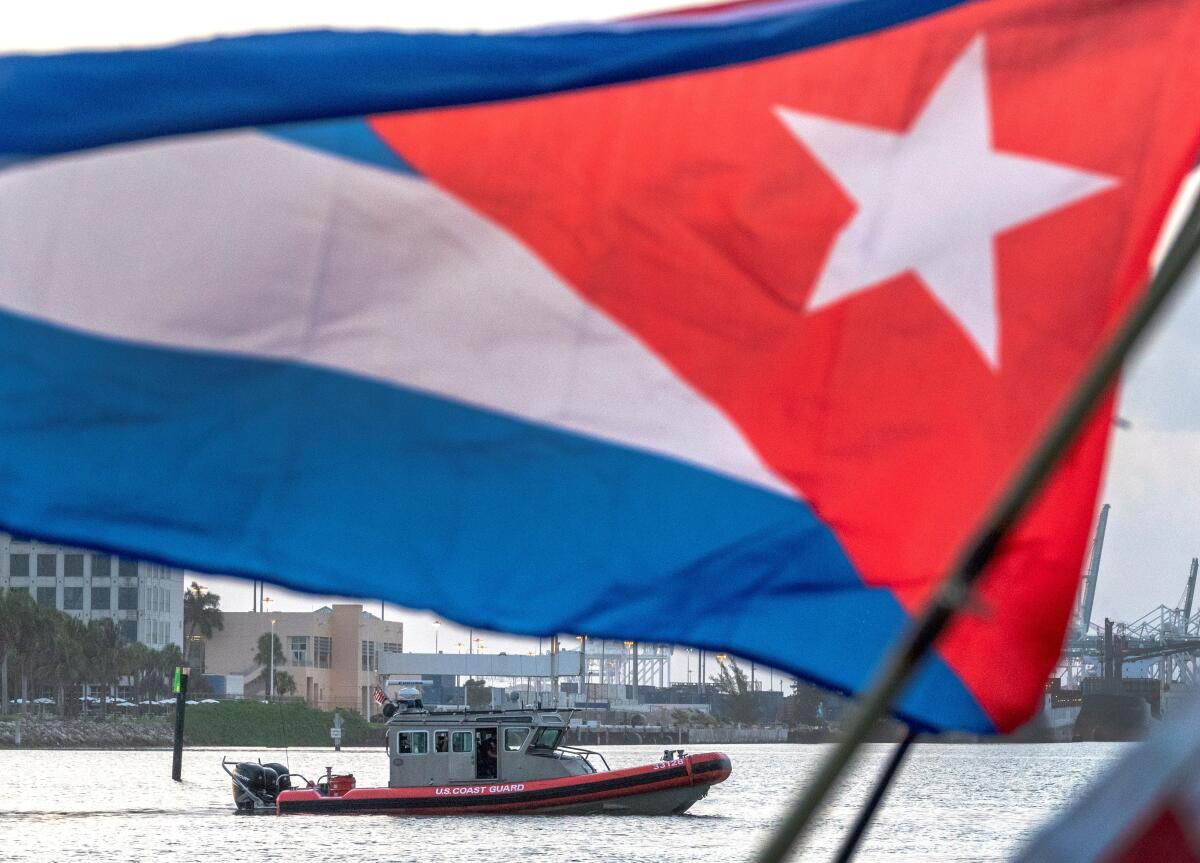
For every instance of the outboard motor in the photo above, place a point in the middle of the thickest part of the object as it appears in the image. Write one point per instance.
(283, 778)
(258, 784)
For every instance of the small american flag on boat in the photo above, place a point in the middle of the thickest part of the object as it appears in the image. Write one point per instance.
(379, 696)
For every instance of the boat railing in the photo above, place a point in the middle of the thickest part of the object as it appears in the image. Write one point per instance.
(585, 754)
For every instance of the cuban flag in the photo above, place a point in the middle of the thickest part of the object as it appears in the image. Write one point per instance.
(721, 328)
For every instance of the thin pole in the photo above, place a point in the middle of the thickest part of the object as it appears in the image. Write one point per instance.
(867, 812)
(182, 675)
(955, 589)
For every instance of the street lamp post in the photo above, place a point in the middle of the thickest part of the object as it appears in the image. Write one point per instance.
(634, 676)
(582, 639)
(197, 591)
(271, 680)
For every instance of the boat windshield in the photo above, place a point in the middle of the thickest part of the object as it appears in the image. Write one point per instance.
(546, 738)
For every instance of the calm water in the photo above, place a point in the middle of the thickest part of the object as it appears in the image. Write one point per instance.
(952, 802)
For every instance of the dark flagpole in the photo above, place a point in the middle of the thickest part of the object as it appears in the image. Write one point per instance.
(955, 589)
(867, 812)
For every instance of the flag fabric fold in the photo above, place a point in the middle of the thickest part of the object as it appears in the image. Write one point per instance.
(723, 329)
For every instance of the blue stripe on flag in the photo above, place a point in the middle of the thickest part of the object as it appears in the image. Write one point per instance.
(62, 102)
(351, 139)
(336, 484)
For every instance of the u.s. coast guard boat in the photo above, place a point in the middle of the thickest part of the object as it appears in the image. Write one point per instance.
(483, 761)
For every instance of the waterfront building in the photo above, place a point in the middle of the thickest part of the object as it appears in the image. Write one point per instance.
(333, 653)
(144, 600)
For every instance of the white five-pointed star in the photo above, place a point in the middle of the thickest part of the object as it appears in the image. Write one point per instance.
(932, 199)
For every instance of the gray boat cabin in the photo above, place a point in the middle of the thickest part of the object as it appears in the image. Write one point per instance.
(472, 746)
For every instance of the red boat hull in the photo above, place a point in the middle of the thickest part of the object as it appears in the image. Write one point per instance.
(664, 787)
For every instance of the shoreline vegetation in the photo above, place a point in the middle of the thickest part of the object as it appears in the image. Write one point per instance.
(243, 724)
(253, 724)
(231, 723)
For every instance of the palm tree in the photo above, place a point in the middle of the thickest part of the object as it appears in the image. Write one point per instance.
(285, 684)
(36, 640)
(139, 663)
(201, 615)
(61, 660)
(166, 660)
(104, 657)
(262, 658)
(17, 620)
(732, 682)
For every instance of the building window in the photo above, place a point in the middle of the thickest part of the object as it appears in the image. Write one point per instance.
(128, 629)
(127, 568)
(127, 598)
(101, 566)
(393, 647)
(370, 656)
(46, 596)
(101, 599)
(18, 565)
(299, 648)
(73, 598)
(73, 565)
(322, 651)
(45, 566)
(412, 742)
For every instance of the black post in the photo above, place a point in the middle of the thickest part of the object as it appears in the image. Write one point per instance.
(181, 677)
(867, 812)
(955, 590)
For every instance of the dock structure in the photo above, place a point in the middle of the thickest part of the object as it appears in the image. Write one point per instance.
(1141, 667)
(599, 671)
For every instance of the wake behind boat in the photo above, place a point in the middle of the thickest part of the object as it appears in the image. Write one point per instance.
(476, 761)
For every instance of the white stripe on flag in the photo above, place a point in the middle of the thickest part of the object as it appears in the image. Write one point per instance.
(243, 243)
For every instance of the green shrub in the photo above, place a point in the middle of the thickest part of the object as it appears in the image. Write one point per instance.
(252, 723)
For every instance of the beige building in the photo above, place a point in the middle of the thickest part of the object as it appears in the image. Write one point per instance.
(332, 653)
